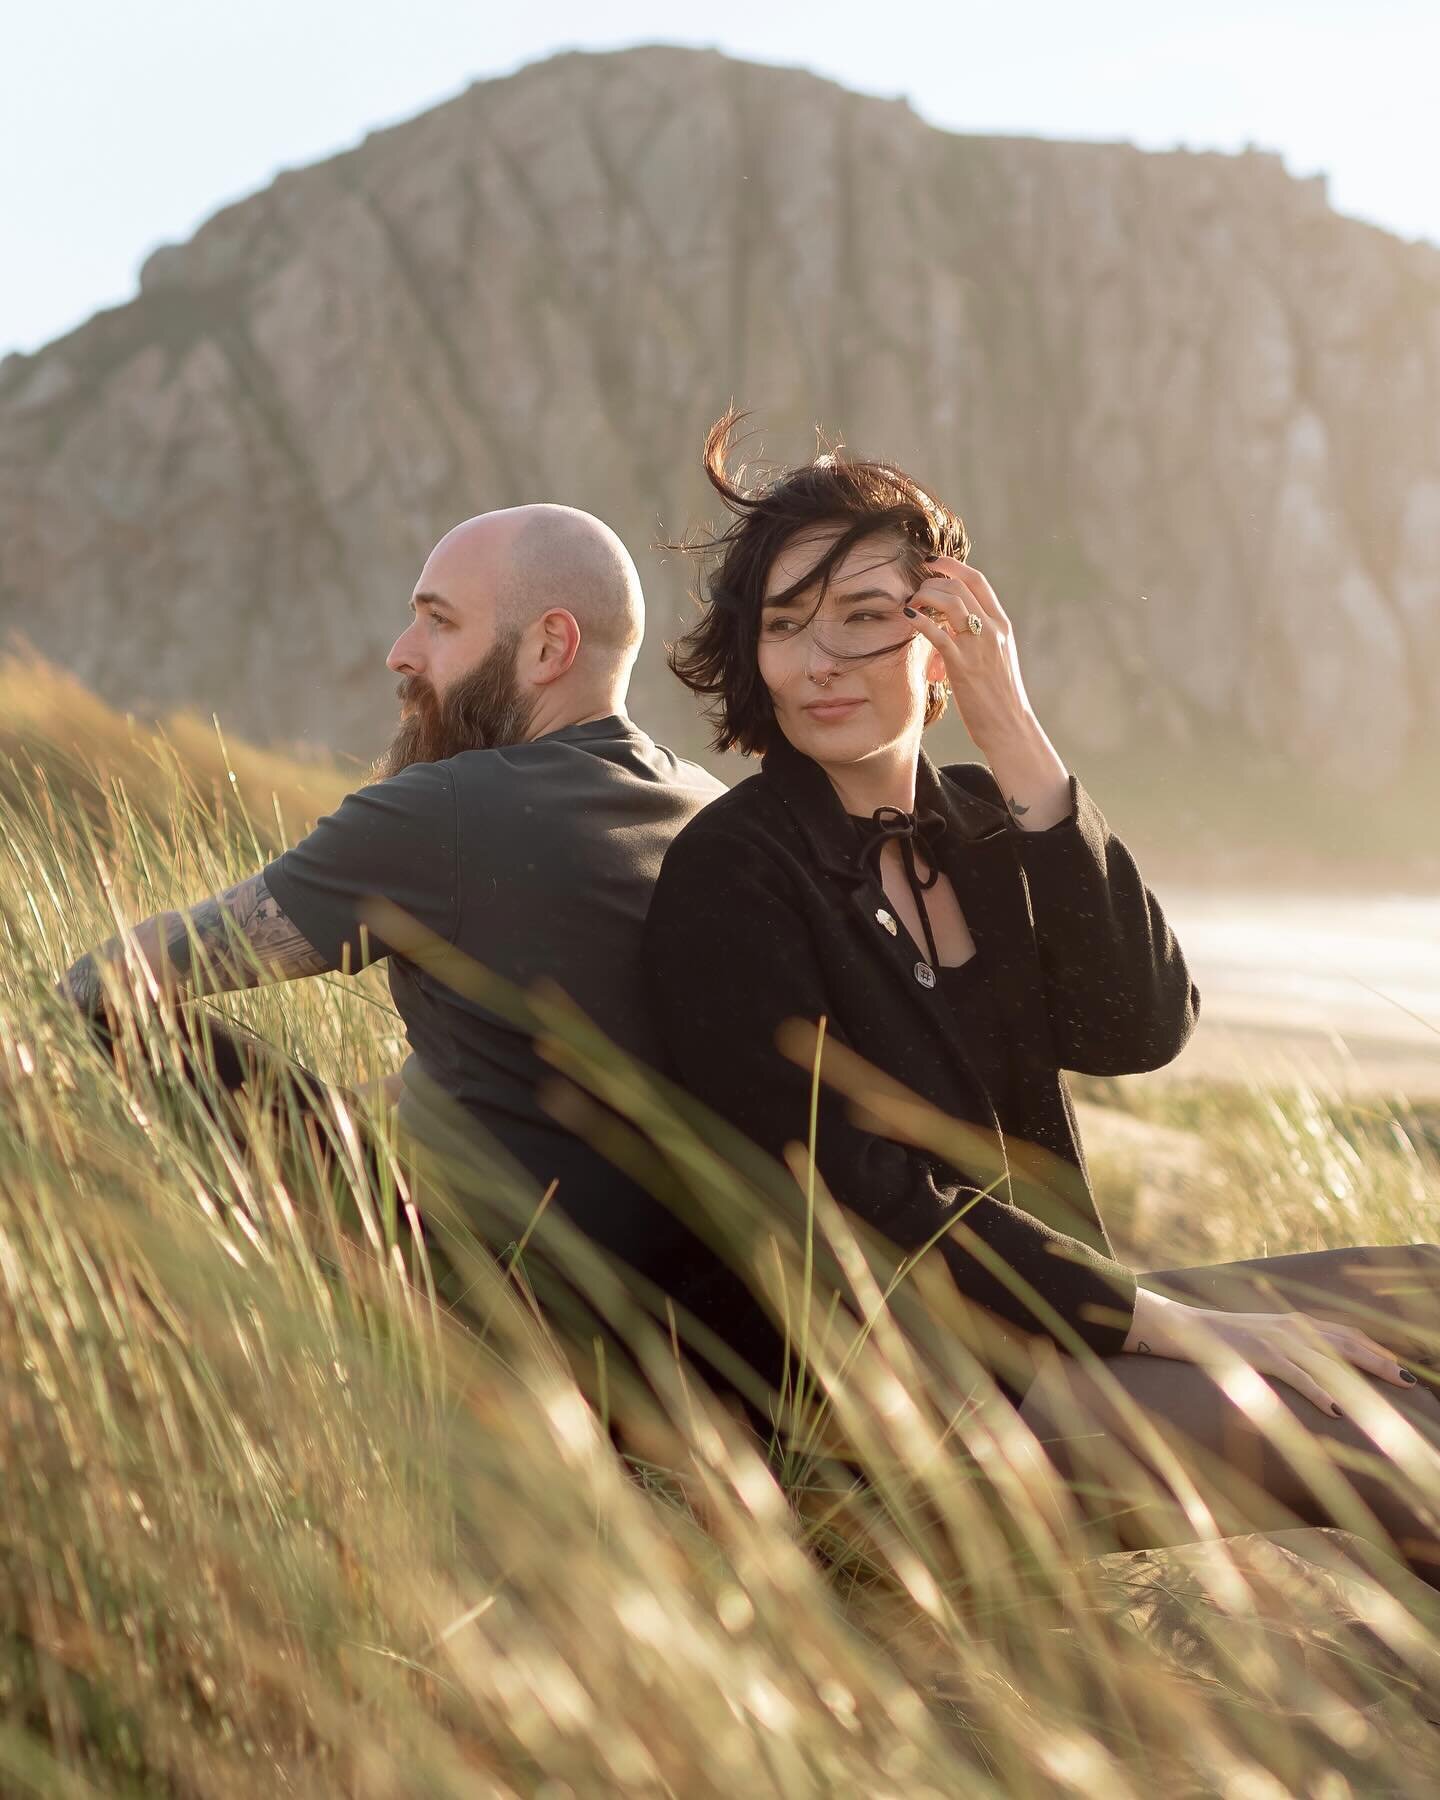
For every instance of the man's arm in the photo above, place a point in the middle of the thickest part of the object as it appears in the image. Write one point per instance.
(238, 939)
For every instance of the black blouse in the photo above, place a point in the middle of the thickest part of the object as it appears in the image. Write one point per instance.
(967, 986)
(769, 916)
(970, 994)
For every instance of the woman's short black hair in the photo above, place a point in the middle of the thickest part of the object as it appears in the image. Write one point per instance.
(718, 658)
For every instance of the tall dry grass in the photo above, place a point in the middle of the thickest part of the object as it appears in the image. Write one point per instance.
(277, 1520)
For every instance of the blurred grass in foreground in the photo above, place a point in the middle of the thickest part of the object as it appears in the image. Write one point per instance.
(274, 1521)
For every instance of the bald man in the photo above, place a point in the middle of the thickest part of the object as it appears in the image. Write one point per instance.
(516, 822)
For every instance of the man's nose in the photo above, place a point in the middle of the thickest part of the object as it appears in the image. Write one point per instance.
(403, 658)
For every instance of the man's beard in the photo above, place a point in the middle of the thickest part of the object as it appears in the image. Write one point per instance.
(482, 710)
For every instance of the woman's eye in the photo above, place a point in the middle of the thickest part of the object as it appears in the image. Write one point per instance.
(775, 626)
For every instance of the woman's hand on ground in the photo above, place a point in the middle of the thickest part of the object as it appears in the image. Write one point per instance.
(1294, 1347)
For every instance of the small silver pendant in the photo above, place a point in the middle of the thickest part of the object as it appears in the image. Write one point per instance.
(924, 974)
(886, 920)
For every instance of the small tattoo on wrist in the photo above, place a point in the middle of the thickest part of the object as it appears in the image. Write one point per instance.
(1016, 807)
(1142, 1345)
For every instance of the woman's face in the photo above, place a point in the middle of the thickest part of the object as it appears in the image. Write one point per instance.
(835, 709)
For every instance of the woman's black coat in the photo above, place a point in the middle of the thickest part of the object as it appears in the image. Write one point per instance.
(763, 912)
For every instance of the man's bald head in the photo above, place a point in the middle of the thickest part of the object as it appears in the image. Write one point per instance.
(545, 555)
(523, 620)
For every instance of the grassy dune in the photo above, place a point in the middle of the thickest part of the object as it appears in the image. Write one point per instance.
(276, 1521)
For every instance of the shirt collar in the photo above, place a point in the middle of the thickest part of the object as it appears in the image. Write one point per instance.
(810, 797)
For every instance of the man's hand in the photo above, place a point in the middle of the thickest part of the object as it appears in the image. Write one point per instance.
(384, 1092)
(238, 939)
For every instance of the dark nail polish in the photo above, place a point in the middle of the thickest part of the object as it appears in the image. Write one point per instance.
(1336, 1410)
(1405, 1375)
(909, 611)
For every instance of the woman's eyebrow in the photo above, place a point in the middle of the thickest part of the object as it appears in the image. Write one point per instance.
(872, 593)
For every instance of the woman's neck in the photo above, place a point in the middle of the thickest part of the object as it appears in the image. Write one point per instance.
(885, 779)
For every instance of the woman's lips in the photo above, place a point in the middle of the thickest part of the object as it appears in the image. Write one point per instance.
(832, 709)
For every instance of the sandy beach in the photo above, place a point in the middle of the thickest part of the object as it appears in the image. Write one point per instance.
(1343, 992)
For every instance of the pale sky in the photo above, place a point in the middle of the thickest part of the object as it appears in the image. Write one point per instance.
(124, 126)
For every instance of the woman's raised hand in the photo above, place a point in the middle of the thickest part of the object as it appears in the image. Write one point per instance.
(983, 667)
(1294, 1347)
(984, 675)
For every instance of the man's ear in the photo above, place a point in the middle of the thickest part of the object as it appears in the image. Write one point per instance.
(558, 644)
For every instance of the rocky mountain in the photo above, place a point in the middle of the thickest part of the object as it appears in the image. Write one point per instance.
(1190, 414)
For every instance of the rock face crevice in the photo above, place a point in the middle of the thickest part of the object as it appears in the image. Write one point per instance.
(1189, 413)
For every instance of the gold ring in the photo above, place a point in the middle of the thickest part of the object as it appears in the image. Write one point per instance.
(975, 622)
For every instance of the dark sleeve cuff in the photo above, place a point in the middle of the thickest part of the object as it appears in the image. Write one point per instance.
(1107, 1311)
(1077, 1291)
(1082, 819)
(1073, 850)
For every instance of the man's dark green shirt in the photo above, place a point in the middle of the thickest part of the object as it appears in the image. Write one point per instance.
(532, 860)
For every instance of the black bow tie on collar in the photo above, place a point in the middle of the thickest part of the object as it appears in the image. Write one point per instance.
(921, 827)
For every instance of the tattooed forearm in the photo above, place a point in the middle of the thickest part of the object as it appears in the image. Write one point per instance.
(238, 939)
(245, 927)
(1015, 807)
(83, 982)
(207, 921)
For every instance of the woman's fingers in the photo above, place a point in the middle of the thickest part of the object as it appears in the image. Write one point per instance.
(937, 634)
(1357, 1347)
(1383, 1364)
(1348, 1343)
(1296, 1375)
(950, 601)
(977, 587)
(1343, 1344)
(926, 625)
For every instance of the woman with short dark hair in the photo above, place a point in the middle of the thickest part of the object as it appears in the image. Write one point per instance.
(971, 931)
